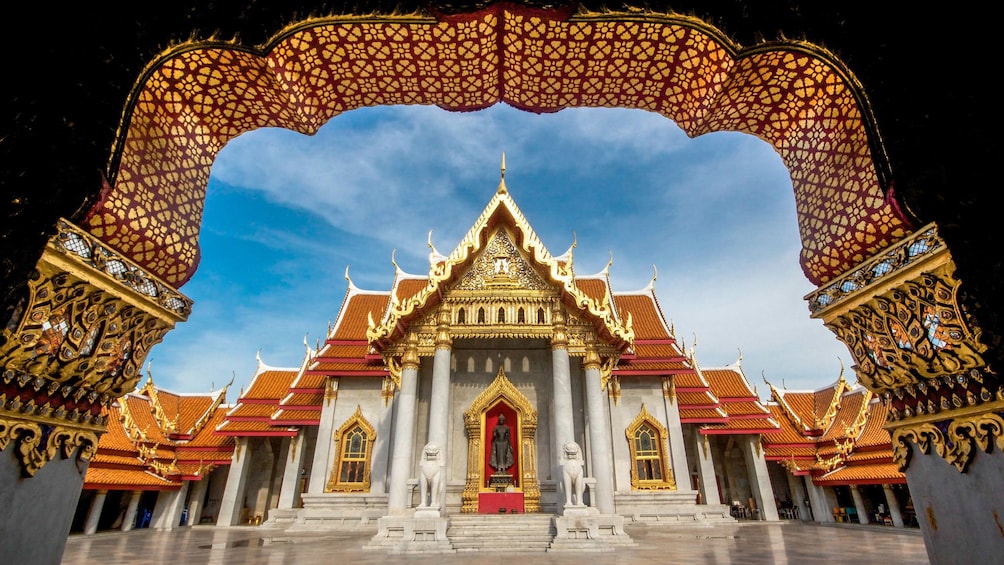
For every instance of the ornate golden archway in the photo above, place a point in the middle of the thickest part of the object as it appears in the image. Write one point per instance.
(501, 390)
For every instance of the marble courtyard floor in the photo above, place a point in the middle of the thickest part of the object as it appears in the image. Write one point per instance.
(785, 542)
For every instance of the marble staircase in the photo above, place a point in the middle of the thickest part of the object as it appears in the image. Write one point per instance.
(501, 533)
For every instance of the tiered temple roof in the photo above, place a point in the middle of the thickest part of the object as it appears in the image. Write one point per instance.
(156, 438)
(254, 412)
(834, 434)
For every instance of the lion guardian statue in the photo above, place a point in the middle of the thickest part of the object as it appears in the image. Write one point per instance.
(430, 483)
(574, 474)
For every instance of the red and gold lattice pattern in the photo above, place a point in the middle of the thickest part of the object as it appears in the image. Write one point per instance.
(199, 96)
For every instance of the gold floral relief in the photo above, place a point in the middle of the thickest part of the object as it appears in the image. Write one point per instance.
(958, 445)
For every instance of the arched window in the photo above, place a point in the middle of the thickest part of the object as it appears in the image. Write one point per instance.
(520, 316)
(501, 316)
(481, 315)
(470, 364)
(540, 315)
(647, 443)
(488, 365)
(462, 316)
(353, 452)
(526, 364)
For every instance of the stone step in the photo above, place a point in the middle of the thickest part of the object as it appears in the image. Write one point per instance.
(506, 533)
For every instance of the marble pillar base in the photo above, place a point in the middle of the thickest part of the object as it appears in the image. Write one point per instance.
(585, 529)
(422, 532)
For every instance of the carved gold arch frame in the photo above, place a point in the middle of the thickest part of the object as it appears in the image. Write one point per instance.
(501, 390)
(668, 481)
(356, 419)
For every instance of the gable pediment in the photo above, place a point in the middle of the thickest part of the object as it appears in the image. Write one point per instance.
(500, 265)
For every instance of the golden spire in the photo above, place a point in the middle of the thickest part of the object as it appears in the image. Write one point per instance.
(502, 189)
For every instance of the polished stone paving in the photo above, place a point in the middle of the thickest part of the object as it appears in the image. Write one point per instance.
(744, 543)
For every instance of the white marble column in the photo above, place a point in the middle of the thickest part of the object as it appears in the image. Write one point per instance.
(759, 478)
(402, 462)
(706, 469)
(894, 511)
(439, 404)
(859, 504)
(233, 493)
(291, 472)
(94, 512)
(600, 448)
(822, 510)
(129, 520)
(196, 497)
(564, 427)
(324, 459)
(677, 449)
(799, 498)
(167, 512)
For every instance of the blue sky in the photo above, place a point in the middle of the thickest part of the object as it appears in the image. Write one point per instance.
(287, 213)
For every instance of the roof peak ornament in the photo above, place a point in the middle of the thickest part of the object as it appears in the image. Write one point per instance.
(502, 188)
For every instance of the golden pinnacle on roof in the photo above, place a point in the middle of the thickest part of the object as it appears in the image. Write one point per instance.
(502, 188)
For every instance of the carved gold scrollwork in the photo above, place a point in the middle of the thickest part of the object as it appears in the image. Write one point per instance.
(914, 331)
(27, 438)
(965, 437)
(923, 435)
(77, 328)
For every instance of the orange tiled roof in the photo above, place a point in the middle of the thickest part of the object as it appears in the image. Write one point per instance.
(127, 479)
(874, 433)
(303, 399)
(270, 384)
(206, 436)
(703, 414)
(666, 367)
(694, 399)
(744, 408)
(115, 437)
(786, 432)
(354, 316)
(728, 382)
(342, 351)
(884, 473)
(646, 320)
(661, 350)
(142, 416)
(691, 380)
(325, 367)
(408, 287)
(850, 405)
(251, 411)
(760, 425)
(205, 455)
(112, 459)
(802, 404)
(308, 381)
(251, 428)
(594, 288)
(284, 417)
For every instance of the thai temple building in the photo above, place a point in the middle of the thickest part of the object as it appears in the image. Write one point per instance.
(499, 382)
(159, 463)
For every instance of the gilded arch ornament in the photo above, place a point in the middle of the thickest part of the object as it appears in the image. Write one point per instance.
(501, 390)
(353, 449)
(639, 439)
